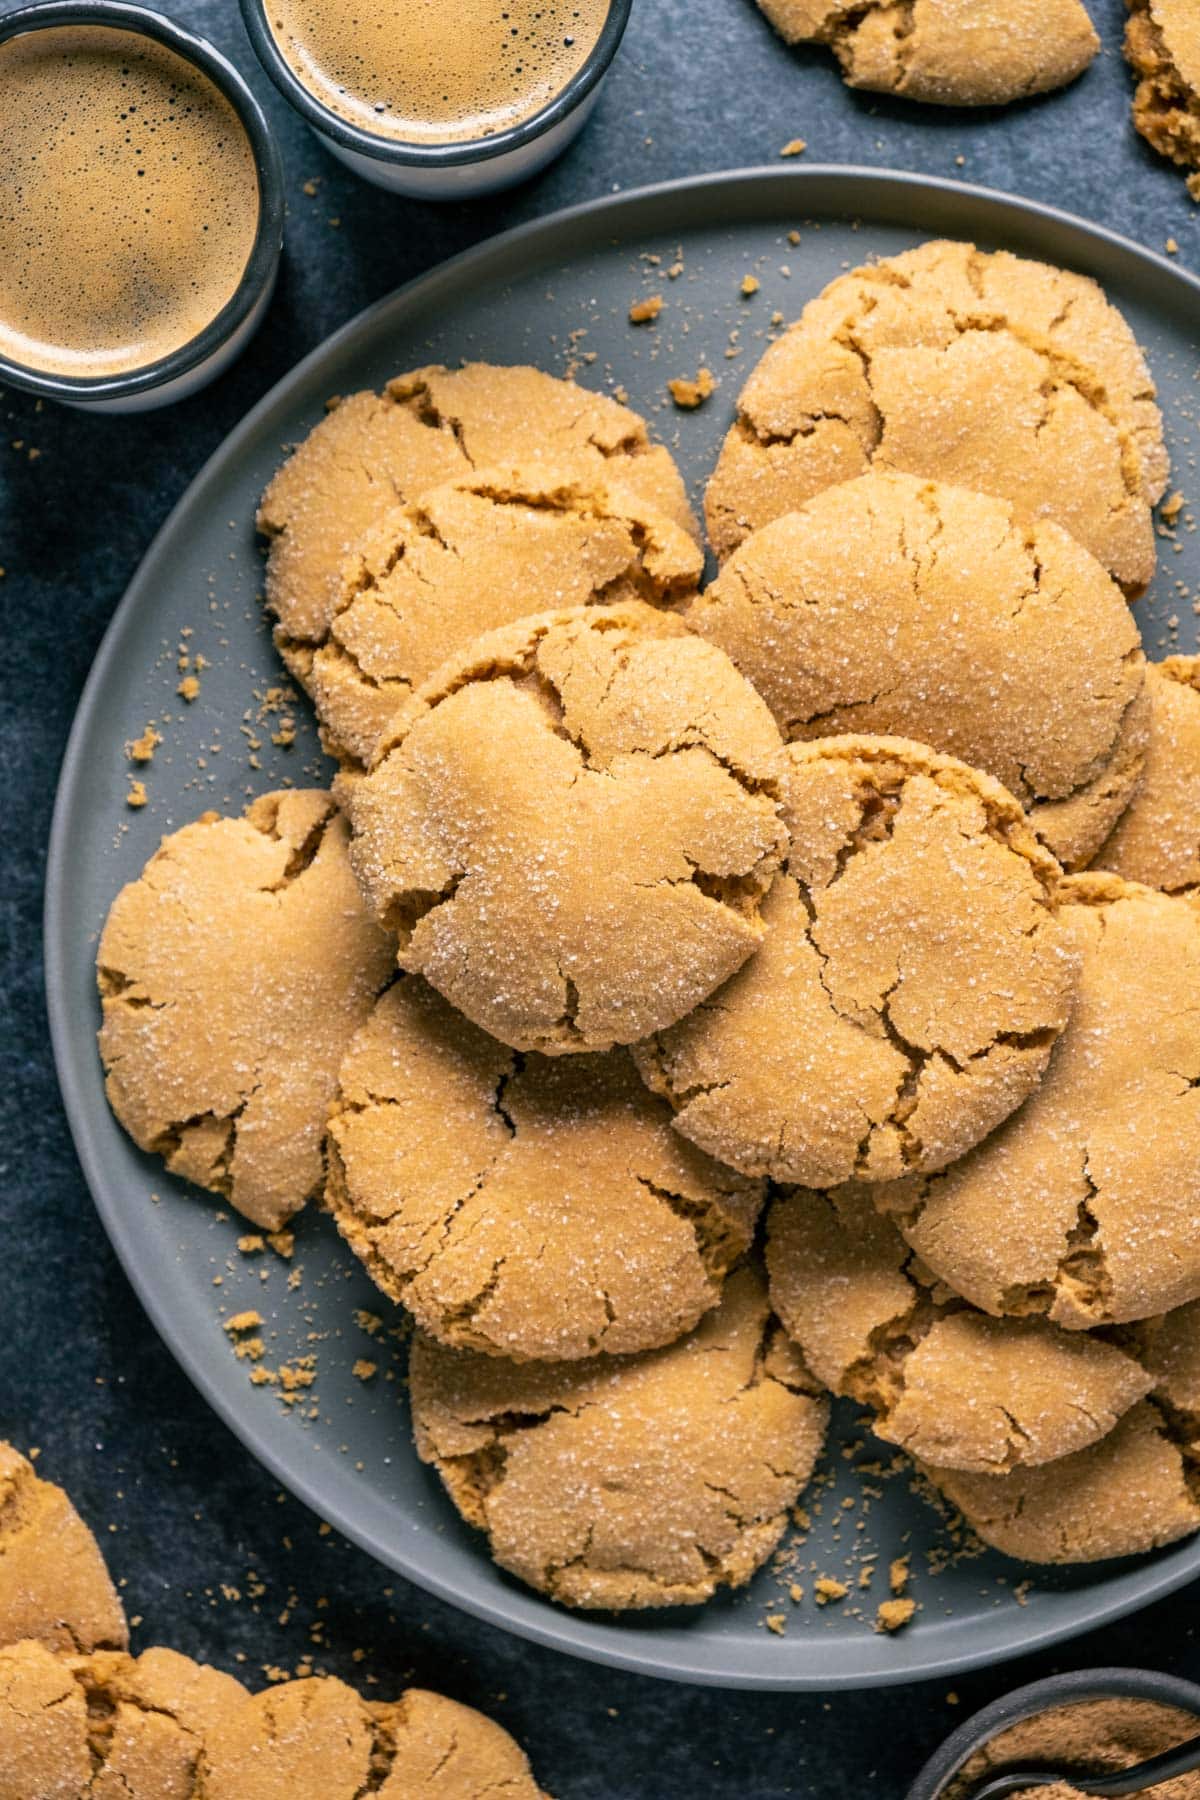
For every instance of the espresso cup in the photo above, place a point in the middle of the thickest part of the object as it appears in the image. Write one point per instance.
(190, 364)
(429, 170)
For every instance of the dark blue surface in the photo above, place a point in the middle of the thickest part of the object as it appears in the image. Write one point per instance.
(81, 1372)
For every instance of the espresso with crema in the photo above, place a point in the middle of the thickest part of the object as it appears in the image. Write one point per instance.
(436, 71)
(129, 200)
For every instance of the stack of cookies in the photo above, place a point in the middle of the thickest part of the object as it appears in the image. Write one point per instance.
(692, 1001)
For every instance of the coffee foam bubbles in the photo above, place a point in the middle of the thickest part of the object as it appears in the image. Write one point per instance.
(436, 71)
(129, 200)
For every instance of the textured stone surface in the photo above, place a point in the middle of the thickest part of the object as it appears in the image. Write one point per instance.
(73, 524)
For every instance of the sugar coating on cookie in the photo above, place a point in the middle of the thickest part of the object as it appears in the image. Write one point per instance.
(373, 451)
(979, 369)
(1131, 1492)
(910, 986)
(53, 1582)
(317, 1739)
(1162, 43)
(949, 1384)
(946, 52)
(1157, 840)
(629, 1482)
(570, 828)
(473, 555)
(233, 972)
(524, 1206)
(107, 1725)
(891, 604)
(1085, 1205)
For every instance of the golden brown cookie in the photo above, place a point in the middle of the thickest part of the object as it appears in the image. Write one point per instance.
(949, 1384)
(911, 984)
(53, 1582)
(373, 451)
(982, 370)
(570, 828)
(895, 605)
(1158, 839)
(524, 1206)
(476, 554)
(1133, 1491)
(1162, 43)
(233, 974)
(642, 1481)
(317, 1740)
(1085, 1205)
(946, 52)
(107, 1726)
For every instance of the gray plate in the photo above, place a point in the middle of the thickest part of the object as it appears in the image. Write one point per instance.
(345, 1449)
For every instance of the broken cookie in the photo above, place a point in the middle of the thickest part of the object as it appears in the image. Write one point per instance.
(1085, 1205)
(895, 605)
(1162, 44)
(476, 554)
(986, 371)
(1157, 840)
(910, 986)
(524, 1206)
(374, 451)
(571, 827)
(949, 1384)
(946, 52)
(628, 1482)
(53, 1582)
(233, 972)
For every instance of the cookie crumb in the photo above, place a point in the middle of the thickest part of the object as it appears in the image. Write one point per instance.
(644, 312)
(750, 285)
(364, 1370)
(141, 749)
(898, 1574)
(794, 147)
(776, 1622)
(137, 795)
(689, 394)
(826, 1589)
(188, 688)
(894, 1615)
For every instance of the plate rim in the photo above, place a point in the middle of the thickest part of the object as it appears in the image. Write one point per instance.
(556, 1629)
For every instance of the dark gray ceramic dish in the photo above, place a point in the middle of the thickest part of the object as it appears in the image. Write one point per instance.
(557, 294)
(1072, 1689)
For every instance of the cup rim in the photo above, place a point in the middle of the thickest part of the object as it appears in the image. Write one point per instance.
(1047, 1695)
(434, 156)
(260, 266)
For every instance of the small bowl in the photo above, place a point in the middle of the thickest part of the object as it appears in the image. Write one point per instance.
(203, 357)
(454, 171)
(1048, 1696)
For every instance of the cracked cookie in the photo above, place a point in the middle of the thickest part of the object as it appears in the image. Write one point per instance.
(473, 555)
(910, 987)
(946, 52)
(987, 371)
(161, 1727)
(524, 1206)
(373, 451)
(644, 1481)
(570, 828)
(1133, 1491)
(53, 1582)
(317, 1740)
(233, 972)
(1162, 44)
(107, 1726)
(1157, 840)
(950, 1385)
(1085, 1205)
(895, 605)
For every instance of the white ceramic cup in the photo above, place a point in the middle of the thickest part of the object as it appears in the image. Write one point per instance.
(452, 171)
(203, 357)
